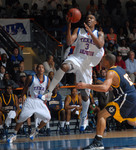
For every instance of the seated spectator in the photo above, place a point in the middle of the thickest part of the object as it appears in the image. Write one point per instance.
(2, 72)
(112, 37)
(49, 65)
(6, 62)
(56, 110)
(22, 79)
(131, 65)
(16, 59)
(123, 49)
(16, 75)
(121, 35)
(9, 108)
(2, 51)
(110, 48)
(7, 80)
(51, 75)
(119, 61)
(132, 39)
(33, 72)
(102, 77)
(73, 106)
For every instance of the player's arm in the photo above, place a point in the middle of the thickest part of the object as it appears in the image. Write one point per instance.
(17, 105)
(99, 88)
(99, 42)
(80, 102)
(27, 83)
(66, 104)
(70, 38)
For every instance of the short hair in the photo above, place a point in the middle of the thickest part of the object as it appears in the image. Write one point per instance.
(111, 59)
(39, 65)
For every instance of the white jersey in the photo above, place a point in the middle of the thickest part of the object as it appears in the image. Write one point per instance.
(85, 51)
(37, 87)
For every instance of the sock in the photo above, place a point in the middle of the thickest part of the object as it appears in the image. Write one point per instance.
(98, 137)
(62, 123)
(56, 79)
(85, 106)
(48, 125)
(67, 123)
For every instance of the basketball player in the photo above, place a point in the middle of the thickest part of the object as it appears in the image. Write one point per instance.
(36, 84)
(87, 53)
(122, 108)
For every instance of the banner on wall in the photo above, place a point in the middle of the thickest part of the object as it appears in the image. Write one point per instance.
(19, 29)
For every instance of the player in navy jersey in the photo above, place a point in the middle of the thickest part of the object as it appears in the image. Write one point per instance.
(87, 52)
(35, 85)
(122, 108)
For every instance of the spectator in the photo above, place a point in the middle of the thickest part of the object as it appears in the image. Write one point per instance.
(40, 3)
(49, 65)
(56, 110)
(16, 75)
(123, 49)
(112, 37)
(131, 65)
(73, 106)
(7, 81)
(33, 72)
(110, 48)
(130, 4)
(6, 63)
(119, 61)
(3, 51)
(51, 75)
(121, 35)
(9, 107)
(132, 39)
(22, 79)
(16, 58)
(2, 71)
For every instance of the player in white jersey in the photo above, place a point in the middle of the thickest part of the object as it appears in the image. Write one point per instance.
(34, 86)
(87, 53)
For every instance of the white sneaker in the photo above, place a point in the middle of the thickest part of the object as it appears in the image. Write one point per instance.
(12, 138)
(47, 96)
(33, 134)
(83, 122)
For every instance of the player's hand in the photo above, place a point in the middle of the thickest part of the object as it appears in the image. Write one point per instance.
(87, 28)
(81, 85)
(40, 96)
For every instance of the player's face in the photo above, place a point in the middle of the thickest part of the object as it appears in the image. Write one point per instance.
(91, 21)
(9, 90)
(74, 92)
(40, 69)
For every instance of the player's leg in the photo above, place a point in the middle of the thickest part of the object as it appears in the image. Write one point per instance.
(41, 112)
(101, 125)
(56, 79)
(68, 118)
(84, 75)
(26, 112)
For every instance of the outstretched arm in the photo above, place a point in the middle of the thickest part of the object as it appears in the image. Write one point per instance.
(99, 88)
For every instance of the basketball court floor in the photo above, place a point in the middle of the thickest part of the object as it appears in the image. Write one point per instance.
(114, 140)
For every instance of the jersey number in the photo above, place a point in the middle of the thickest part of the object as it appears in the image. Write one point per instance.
(128, 79)
(87, 46)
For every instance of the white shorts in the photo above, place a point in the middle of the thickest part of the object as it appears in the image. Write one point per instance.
(83, 74)
(34, 106)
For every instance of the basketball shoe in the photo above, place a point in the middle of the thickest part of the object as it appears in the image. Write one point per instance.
(83, 122)
(95, 145)
(12, 138)
(33, 134)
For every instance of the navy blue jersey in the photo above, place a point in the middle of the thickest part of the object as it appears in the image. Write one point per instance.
(55, 100)
(8, 104)
(125, 84)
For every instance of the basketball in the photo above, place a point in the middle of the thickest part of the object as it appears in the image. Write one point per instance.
(74, 15)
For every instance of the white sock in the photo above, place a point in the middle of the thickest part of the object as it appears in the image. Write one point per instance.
(67, 123)
(56, 79)
(99, 136)
(62, 123)
(48, 125)
(85, 106)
